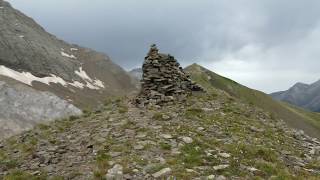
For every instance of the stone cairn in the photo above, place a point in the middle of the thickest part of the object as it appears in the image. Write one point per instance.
(163, 80)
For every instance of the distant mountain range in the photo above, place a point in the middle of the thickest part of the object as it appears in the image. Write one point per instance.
(303, 95)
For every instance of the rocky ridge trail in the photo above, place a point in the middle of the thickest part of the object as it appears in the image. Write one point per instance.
(211, 136)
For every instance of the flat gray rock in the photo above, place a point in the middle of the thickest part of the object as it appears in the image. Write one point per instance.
(21, 107)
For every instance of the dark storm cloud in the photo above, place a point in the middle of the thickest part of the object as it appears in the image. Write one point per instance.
(265, 44)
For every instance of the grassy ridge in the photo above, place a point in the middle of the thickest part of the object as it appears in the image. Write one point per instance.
(211, 134)
(296, 118)
(312, 117)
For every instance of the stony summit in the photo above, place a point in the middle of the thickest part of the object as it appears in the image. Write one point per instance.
(164, 80)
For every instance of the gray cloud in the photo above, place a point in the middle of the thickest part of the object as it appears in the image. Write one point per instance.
(264, 44)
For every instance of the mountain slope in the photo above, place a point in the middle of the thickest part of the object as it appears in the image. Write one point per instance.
(290, 115)
(210, 135)
(302, 95)
(34, 57)
(36, 65)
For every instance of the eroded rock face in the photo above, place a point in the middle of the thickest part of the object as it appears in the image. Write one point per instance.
(163, 80)
(21, 107)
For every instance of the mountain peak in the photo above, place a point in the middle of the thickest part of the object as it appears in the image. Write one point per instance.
(302, 95)
(317, 83)
(195, 65)
(4, 3)
(300, 85)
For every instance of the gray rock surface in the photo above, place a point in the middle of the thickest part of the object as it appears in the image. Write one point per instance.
(302, 95)
(162, 173)
(21, 107)
(115, 173)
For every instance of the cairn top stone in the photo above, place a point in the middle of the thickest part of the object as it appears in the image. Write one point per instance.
(163, 80)
(153, 52)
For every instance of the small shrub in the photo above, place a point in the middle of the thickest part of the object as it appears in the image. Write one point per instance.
(194, 112)
(20, 175)
(102, 165)
(98, 175)
(191, 156)
(157, 116)
(165, 146)
(73, 118)
(8, 164)
(123, 110)
(98, 111)
(86, 113)
(43, 126)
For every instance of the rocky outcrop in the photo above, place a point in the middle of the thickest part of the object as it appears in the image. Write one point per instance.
(21, 107)
(163, 80)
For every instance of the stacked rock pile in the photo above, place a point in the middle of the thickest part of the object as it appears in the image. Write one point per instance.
(163, 80)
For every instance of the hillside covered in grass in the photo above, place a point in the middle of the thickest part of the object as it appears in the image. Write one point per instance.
(210, 136)
(293, 116)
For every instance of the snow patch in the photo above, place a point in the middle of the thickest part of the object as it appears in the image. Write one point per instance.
(28, 78)
(77, 84)
(91, 84)
(98, 83)
(21, 36)
(74, 49)
(81, 73)
(68, 55)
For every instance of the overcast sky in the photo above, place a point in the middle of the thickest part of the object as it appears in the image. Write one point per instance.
(264, 44)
